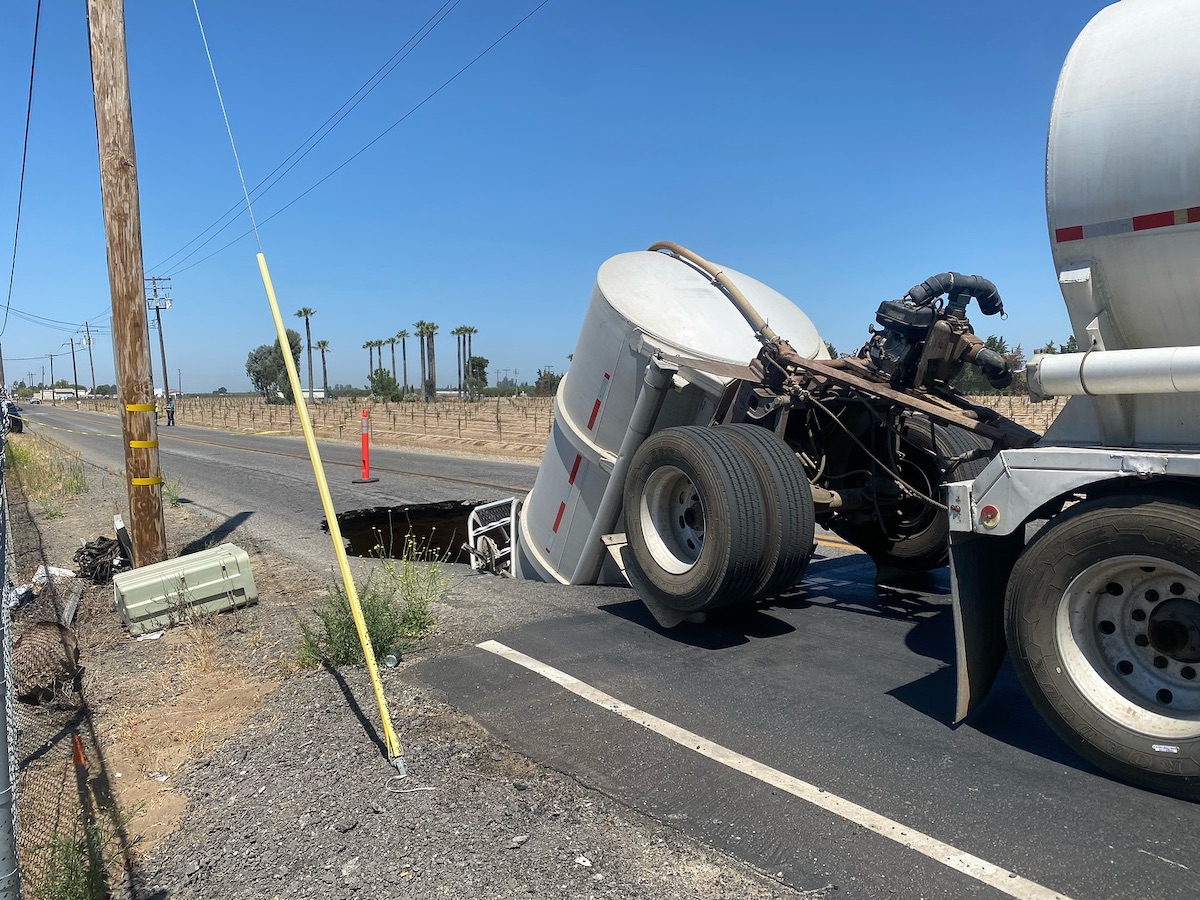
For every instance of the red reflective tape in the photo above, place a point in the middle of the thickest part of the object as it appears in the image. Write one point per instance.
(575, 468)
(1154, 220)
(1074, 233)
(562, 508)
(1193, 214)
(595, 412)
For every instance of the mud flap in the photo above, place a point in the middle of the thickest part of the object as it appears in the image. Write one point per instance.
(979, 570)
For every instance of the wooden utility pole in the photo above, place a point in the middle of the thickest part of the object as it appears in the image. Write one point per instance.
(74, 370)
(91, 363)
(159, 304)
(123, 238)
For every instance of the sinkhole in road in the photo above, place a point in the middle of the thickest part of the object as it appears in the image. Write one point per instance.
(432, 530)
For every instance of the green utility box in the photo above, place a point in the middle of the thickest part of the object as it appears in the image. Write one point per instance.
(167, 593)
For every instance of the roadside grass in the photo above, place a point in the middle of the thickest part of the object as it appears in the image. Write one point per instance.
(172, 489)
(395, 600)
(48, 474)
(79, 865)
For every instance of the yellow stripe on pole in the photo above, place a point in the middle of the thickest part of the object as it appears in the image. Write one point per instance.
(143, 445)
(146, 482)
(395, 751)
(140, 407)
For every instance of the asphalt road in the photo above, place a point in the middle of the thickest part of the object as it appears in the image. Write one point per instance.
(264, 483)
(775, 737)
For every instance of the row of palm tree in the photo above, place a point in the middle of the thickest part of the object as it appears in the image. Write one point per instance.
(423, 331)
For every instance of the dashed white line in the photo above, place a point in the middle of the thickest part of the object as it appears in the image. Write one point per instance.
(980, 869)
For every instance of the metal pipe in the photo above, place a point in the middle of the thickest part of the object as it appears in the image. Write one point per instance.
(659, 375)
(764, 332)
(1154, 370)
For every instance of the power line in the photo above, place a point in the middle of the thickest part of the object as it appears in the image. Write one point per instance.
(24, 157)
(323, 130)
(374, 140)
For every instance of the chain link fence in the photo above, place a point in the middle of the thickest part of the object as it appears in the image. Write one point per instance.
(60, 822)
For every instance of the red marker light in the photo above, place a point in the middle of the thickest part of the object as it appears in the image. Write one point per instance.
(989, 516)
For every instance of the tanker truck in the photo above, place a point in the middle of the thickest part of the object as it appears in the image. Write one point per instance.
(676, 467)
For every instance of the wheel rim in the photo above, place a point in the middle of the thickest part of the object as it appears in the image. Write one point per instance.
(1128, 632)
(914, 514)
(672, 519)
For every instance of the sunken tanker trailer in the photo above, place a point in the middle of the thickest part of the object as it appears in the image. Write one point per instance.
(703, 431)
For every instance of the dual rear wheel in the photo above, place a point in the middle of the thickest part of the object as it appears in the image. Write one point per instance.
(716, 516)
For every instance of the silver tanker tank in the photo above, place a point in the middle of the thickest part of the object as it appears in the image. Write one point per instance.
(1123, 206)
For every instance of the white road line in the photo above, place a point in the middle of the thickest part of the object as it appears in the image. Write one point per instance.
(980, 869)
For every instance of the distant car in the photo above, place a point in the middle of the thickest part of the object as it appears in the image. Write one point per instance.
(12, 417)
(35, 399)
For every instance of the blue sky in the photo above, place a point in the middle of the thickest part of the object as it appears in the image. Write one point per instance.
(839, 152)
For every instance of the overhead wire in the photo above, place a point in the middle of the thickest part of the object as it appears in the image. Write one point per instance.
(373, 141)
(12, 272)
(323, 130)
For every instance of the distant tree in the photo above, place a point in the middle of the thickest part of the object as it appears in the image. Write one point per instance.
(266, 370)
(106, 390)
(262, 369)
(349, 391)
(476, 379)
(1050, 347)
(546, 383)
(384, 385)
(306, 313)
(402, 337)
(1071, 346)
(421, 329)
(221, 390)
(431, 388)
(831, 350)
(323, 347)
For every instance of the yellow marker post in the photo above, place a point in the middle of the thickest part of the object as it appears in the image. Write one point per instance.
(391, 742)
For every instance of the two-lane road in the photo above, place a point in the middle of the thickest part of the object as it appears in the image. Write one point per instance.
(811, 739)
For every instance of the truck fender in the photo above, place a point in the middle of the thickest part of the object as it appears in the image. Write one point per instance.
(979, 570)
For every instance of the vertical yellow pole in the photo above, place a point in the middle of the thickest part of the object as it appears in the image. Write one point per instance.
(394, 750)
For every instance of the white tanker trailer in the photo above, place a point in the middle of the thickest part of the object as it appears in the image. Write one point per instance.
(675, 466)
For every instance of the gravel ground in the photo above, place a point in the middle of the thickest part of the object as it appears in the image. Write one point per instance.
(285, 793)
(300, 803)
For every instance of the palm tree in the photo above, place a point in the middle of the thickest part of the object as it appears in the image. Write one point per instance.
(422, 329)
(460, 342)
(369, 346)
(402, 337)
(323, 347)
(471, 329)
(305, 313)
(379, 354)
(432, 365)
(392, 341)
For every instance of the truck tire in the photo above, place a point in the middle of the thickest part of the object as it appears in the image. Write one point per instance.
(914, 535)
(787, 504)
(693, 520)
(1103, 621)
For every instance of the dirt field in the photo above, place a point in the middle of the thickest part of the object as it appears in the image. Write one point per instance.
(503, 426)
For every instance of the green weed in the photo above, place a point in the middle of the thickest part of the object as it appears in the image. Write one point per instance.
(395, 601)
(77, 866)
